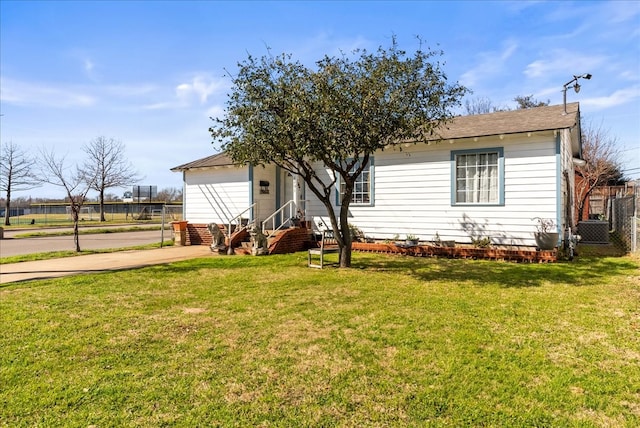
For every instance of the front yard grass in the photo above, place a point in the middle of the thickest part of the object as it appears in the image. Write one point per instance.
(265, 341)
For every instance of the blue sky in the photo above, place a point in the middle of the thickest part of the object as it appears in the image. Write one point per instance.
(151, 73)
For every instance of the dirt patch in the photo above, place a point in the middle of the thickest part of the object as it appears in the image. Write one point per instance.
(194, 310)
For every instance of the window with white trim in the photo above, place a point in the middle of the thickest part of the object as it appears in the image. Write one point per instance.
(362, 187)
(478, 177)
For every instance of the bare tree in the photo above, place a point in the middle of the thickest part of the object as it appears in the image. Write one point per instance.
(484, 105)
(170, 194)
(602, 155)
(75, 182)
(16, 174)
(480, 105)
(107, 162)
(111, 197)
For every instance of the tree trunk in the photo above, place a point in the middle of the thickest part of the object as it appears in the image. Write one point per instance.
(345, 255)
(345, 252)
(7, 212)
(76, 235)
(102, 205)
(580, 210)
(343, 240)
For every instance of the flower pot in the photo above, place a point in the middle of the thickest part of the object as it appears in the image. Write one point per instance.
(546, 240)
(180, 232)
(179, 225)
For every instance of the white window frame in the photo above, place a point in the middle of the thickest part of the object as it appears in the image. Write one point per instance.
(469, 179)
(361, 188)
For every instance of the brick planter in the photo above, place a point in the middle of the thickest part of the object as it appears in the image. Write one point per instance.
(518, 255)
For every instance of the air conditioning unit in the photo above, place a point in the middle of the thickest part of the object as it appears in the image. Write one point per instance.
(593, 232)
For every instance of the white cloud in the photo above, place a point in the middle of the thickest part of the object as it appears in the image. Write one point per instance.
(622, 11)
(88, 65)
(563, 60)
(128, 91)
(160, 106)
(81, 58)
(311, 49)
(215, 111)
(490, 63)
(44, 95)
(619, 97)
(199, 88)
(629, 75)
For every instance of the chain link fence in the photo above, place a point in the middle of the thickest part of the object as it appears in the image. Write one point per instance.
(624, 220)
(59, 213)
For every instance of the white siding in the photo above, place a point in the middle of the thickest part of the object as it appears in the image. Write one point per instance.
(216, 195)
(413, 193)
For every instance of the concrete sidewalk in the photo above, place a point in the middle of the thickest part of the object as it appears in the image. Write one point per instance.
(92, 263)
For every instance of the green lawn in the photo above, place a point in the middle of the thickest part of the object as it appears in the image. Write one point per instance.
(265, 341)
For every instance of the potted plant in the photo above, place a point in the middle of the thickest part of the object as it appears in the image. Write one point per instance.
(547, 234)
(411, 239)
(396, 240)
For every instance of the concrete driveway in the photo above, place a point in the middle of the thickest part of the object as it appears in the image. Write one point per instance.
(92, 263)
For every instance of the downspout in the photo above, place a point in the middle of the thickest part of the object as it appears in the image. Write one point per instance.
(184, 195)
(559, 175)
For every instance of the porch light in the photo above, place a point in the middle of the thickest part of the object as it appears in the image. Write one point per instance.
(575, 86)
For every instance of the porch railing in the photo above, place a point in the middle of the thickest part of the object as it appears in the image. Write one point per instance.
(291, 206)
(238, 219)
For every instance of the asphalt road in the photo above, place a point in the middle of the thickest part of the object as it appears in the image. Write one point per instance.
(20, 246)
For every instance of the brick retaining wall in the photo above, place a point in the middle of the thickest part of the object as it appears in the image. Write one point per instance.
(198, 234)
(290, 241)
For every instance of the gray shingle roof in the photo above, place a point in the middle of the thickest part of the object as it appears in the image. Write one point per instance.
(479, 125)
(220, 159)
(512, 122)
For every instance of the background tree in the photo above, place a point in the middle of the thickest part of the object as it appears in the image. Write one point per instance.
(107, 162)
(111, 197)
(481, 105)
(527, 101)
(75, 182)
(16, 174)
(335, 116)
(603, 166)
(170, 194)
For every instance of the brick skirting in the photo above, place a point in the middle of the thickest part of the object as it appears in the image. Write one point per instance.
(198, 234)
(298, 239)
(461, 252)
(290, 241)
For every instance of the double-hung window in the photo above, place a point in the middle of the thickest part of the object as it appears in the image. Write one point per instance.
(478, 177)
(362, 187)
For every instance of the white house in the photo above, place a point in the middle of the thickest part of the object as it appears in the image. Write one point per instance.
(486, 176)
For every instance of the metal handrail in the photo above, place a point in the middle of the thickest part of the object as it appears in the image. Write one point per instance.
(239, 216)
(291, 205)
